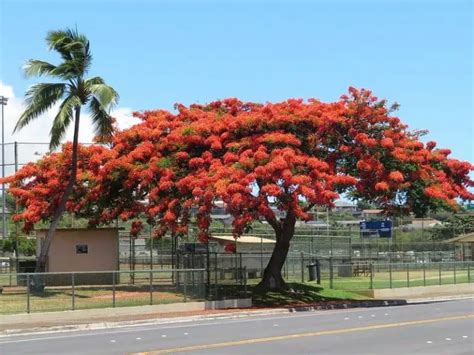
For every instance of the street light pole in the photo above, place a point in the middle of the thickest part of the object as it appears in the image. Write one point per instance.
(3, 102)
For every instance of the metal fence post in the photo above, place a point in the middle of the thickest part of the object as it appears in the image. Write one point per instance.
(208, 272)
(113, 289)
(302, 267)
(424, 273)
(408, 274)
(245, 281)
(73, 292)
(330, 273)
(390, 273)
(240, 268)
(216, 287)
(371, 276)
(439, 272)
(151, 288)
(184, 284)
(28, 293)
(454, 270)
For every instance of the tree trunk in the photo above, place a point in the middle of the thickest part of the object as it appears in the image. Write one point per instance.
(284, 231)
(43, 257)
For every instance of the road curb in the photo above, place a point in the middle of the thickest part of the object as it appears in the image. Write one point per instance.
(245, 313)
(353, 304)
(136, 323)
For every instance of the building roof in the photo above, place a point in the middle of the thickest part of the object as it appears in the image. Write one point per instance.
(245, 239)
(80, 229)
(425, 221)
(372, 211)
(342, 203)
(463, 238)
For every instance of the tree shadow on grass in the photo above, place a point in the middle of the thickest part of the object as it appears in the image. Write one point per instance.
(295, 294)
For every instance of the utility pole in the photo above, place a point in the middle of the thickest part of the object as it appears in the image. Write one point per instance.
(3, 102)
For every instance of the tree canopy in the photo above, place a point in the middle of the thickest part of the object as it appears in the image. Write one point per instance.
(292, 155)
(289, 156)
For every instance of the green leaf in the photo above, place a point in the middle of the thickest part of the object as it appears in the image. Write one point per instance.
(38, 68)
(101, 120)
(63, 119)
(39, 98)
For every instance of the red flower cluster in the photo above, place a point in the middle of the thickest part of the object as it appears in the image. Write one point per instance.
(290, 156)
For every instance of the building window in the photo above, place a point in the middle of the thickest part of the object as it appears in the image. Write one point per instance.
(81, 249)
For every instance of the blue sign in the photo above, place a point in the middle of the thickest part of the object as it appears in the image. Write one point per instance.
(382, 229)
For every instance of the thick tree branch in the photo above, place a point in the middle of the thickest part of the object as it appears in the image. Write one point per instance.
(309, 207)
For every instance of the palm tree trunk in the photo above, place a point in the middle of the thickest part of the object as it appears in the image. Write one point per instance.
(43, 257)
(272, 278)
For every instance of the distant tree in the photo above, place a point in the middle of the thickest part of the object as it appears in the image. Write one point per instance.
(26, 246)
(454, 226)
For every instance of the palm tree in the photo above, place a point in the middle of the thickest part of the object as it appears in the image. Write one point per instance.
(73, 92)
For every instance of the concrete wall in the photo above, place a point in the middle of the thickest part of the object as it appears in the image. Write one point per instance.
(102, 254)
(422, 291)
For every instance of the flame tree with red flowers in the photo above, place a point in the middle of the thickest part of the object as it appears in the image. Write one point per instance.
(292, 156)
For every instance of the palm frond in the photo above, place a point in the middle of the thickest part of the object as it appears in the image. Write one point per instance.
(104, 93)
(39, 98)
(63, 119)
(38, 68)
(72, 46)
(94, 81)
(68, 70)
(56, 40)
(101, 120)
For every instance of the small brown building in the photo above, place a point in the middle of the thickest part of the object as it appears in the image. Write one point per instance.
(76, 250)
(464, 246)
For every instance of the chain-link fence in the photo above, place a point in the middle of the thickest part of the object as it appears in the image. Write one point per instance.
(83, 290)
(368, 275)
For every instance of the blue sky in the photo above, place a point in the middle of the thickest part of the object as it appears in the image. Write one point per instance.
(157, 53)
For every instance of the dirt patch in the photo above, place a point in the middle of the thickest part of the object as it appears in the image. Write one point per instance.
(130, 294)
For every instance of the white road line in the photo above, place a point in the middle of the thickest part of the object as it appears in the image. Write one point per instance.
(186, 333)
(346, 318)
(112, 341)
(448, 339)
(465, 336)
(138, 338)
(429, 342)
(163, 336)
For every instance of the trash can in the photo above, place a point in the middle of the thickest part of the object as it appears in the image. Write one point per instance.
(314, 272)
(25, 266)
(344, 270)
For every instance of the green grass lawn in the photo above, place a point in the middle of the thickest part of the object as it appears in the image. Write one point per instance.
(300, 294)
(60, 299)
(400, 279)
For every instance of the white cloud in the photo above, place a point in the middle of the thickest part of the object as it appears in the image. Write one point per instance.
(38, 130)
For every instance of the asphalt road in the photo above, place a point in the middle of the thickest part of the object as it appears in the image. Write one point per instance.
(430, 328)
